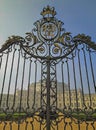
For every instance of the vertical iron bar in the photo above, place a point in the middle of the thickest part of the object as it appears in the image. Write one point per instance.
(80, 72)
(17, 70)
(68, 82)
(92, 71)
(86, 68)
(48, 95)
(74, 75)
(4, 79)
(63, 83)
(35, 86)
(21, 90)
(56, 85)
(0, 61)
(41, 84)
(75, 83)
(10, 79)
(29, 83)
(22, 85)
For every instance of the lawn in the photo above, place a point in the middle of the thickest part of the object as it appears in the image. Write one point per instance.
(79, 116)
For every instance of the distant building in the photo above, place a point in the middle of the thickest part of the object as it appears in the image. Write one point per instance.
(31, 98)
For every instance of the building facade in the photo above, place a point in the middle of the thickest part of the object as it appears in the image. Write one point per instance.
(31, 98)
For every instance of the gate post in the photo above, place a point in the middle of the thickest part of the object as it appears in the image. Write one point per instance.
(48, 96)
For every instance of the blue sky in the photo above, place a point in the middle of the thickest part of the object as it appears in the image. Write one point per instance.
(17, 16)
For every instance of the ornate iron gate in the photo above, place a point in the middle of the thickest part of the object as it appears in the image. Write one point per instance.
(48, 79)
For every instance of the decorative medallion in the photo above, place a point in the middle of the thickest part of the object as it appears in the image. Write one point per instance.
(49, 30)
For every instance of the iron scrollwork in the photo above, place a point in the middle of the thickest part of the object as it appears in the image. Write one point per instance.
(48, 39)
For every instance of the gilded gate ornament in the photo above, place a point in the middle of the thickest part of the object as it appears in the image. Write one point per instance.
(48, 39)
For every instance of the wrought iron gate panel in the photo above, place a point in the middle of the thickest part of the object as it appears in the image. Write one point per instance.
(48, 79)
